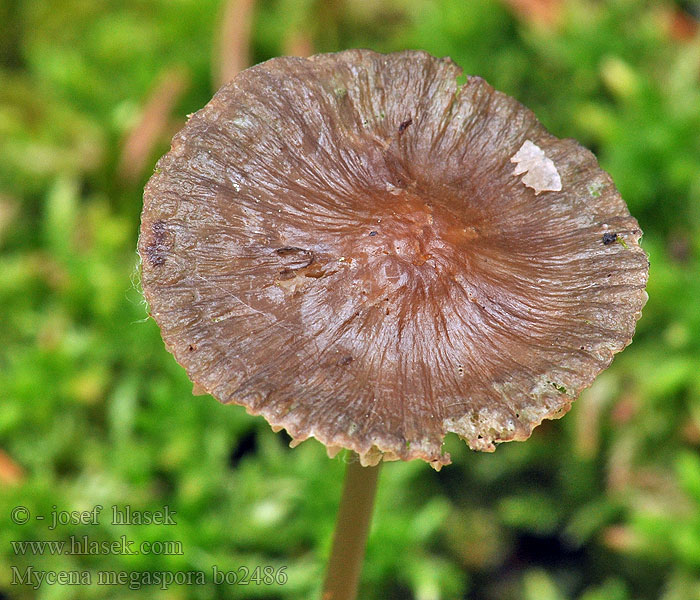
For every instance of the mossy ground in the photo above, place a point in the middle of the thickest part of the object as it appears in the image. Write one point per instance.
(602, 505)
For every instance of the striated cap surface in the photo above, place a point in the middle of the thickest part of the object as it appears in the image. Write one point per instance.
(362, 251)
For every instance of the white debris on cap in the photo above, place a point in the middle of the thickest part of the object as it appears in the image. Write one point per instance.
(541, 174)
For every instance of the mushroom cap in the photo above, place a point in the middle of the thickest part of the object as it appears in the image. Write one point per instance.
(361, 250)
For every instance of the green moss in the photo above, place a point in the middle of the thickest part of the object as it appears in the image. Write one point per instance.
(559, 387)
(595, 189)
(91, 400)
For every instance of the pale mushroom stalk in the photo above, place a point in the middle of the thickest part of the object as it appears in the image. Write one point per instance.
(352, 527)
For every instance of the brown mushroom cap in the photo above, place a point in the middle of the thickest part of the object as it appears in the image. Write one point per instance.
(362, 251)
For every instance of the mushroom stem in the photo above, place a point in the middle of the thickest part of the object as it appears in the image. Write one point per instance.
(352, 526)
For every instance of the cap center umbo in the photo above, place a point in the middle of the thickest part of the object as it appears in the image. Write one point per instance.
(405, 231)
(411, 231)
(408, 245)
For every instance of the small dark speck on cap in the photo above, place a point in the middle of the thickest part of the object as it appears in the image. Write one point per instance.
(157, 248)
(372, 233)
(405, 125)
(609, 238)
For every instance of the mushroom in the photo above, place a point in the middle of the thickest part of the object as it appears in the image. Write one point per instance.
(363, 251)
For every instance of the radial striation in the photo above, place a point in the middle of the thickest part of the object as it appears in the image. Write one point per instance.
(363, 251)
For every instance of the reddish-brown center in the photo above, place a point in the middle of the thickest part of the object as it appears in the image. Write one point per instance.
(408, 240)
(405, 230)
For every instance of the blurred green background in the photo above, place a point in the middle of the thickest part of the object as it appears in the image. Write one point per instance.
(602, 505)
